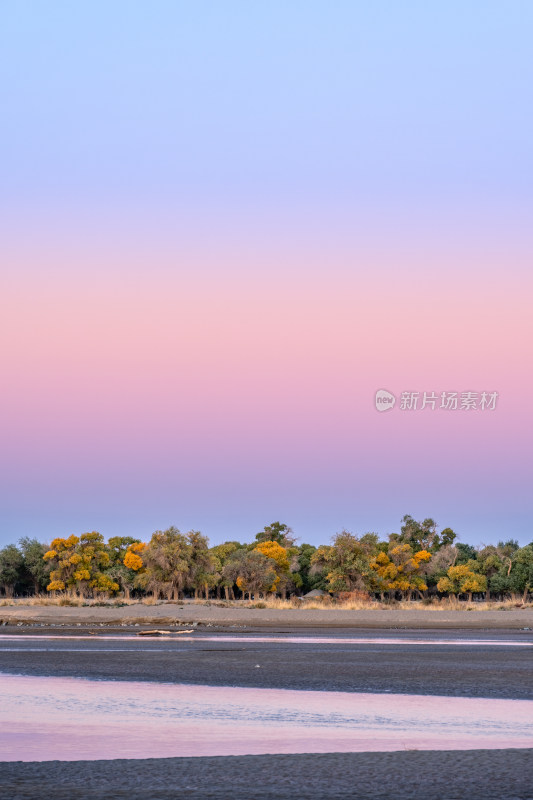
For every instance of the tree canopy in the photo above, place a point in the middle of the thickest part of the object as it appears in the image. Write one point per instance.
(419, 561)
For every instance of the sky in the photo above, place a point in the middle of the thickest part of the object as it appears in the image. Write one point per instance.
(224, 226)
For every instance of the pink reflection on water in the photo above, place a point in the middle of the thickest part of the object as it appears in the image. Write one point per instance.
(269, 639)
(76, 719)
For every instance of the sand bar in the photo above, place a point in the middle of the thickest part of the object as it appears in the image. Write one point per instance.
(476, 775)
(427, 618)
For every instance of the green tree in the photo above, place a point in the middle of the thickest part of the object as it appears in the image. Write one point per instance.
(222, 553)
(11, 567)
(202, 565)
(346, 561)
(490, 563)
(167, 563)
(301, 564)
(521, 573)
(515, 578)
(423, 535)
(252, 571)
(465, 553)
(496, 560)
(37, 570)
(276, 532)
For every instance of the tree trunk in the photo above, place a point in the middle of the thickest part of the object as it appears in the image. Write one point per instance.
(226, 592)
(487, 595)
(206, 588)
(127, 593)
(469, 597)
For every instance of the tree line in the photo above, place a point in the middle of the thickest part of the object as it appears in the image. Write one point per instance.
(418, 562)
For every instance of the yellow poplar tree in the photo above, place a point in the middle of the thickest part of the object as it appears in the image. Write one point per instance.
(79, 565)
(133, 569)
(399, 570)
(64, 561)
(279, 555)
(463, 579)
(133, 559)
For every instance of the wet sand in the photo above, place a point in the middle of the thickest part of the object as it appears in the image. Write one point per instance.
(457, 669)
(413, 775)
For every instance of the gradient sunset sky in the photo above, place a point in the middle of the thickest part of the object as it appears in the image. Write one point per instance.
(225, 225)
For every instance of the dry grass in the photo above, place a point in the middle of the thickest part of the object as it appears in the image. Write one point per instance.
(277, 604)
(452, 603)
(442, 604)
(436, 604)
(75, 602)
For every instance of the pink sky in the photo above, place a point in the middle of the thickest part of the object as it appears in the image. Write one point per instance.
(158, 378)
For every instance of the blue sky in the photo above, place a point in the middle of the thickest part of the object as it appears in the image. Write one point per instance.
(240, 102)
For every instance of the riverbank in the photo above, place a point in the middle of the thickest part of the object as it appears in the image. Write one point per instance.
(411, 775)
(416, 617)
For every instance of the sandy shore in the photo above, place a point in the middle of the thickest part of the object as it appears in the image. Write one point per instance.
(223, 617)
(446, 775)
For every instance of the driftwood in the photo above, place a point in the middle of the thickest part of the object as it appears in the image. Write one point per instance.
(160, 633)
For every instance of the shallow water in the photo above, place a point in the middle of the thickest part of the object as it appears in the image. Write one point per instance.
(69, 719)
(176, 637)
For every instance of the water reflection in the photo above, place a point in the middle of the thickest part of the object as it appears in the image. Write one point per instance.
(124, 637)
(72, 718)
